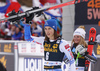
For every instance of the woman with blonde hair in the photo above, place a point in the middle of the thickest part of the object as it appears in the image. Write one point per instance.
(78, 45)
(80, 33)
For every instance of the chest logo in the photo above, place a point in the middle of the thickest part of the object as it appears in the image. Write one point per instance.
(55, 46)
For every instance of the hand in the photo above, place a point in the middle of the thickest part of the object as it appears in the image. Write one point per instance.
(29, 17)
(80, 49)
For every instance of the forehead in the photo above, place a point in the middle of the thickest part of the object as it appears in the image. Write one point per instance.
(76, 35)
(47, 27)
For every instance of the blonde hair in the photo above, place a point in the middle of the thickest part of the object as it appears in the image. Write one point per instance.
(82, 27)
(82, 41)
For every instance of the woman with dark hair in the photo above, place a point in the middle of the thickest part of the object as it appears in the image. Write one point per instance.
(54, 47)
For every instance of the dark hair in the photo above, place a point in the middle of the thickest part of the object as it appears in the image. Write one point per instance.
(55, 36)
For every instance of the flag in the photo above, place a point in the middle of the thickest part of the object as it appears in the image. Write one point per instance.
(9, 1)
(13, 6)
(10, 5)
(43, 3)
(3, 10)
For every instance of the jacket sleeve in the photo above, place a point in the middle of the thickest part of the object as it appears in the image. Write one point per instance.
(64, 47)
(28, 37)
(69, 55)
(27, 33)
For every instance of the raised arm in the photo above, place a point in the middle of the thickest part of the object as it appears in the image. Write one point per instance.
(28, 37)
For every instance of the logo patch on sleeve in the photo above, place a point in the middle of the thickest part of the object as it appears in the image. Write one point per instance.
(67, 46)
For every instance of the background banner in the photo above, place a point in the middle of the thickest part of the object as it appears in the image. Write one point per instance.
(8, 61)
(95, 67)
(7, 47)
(88, 14)
(7, 55)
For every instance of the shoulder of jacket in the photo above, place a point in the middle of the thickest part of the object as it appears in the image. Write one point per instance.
(64, 42)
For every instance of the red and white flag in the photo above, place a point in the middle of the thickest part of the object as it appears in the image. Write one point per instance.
(43, 3)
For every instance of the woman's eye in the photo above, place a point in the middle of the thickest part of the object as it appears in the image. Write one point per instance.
(49, 28)
(77, 36)
(44, 28)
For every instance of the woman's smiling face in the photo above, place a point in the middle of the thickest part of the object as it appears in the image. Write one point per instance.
(77, 39)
